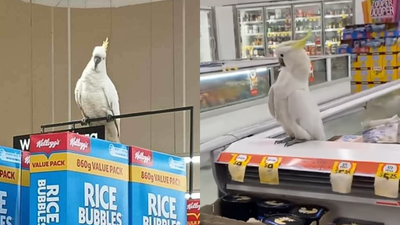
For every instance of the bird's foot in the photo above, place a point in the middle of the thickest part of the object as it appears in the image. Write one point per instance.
(293, 142)
(284, 141)
(110, 118)
(85, 121)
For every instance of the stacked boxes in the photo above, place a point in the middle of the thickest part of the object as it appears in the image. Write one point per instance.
(375, 53)
(25, 177)
(157, 188)
(10, 167)
(78, 180)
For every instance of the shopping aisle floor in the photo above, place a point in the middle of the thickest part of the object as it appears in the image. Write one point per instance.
(383, 107)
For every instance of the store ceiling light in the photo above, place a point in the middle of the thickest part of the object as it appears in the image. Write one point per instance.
(89, 4)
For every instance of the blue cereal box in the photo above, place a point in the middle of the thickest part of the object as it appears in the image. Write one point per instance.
(76, 180)
(157, 188)
(10, 168)
(25, 161)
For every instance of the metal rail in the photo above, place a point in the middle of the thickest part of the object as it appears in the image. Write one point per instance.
(138, 114)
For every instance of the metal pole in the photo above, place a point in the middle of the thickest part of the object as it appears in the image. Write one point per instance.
(191, 152)
(69, 62)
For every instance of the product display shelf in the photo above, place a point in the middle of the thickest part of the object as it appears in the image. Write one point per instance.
(375, 50)
(306, 170)
(235, 82)
(251, 32)
(325, 19)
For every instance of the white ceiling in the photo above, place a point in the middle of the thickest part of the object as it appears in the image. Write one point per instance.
(90, 3)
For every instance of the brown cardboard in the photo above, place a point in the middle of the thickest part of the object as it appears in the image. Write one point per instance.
(210, 214)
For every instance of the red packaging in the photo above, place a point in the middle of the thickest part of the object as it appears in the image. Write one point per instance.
(193, 211)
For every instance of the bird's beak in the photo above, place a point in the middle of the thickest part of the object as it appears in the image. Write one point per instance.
(97, 60)
(281, 62)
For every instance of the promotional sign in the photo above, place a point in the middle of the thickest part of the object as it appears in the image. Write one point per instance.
(380, 11)
(23, 141)
(10, 165)
(25, 177)
(78, 180)
(157, 188)
(253, 82)
(193, 211)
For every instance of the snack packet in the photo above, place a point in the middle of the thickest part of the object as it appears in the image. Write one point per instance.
(381, 131)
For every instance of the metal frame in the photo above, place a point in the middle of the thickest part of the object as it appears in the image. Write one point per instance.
(139, 114)
(213, 24)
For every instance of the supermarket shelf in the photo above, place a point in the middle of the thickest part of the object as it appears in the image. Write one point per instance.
(277, 20)
(254, 46)
(338, 16)
(335, 29)
(279, 33)
(314, 195)
(312, 18)
(306, 31)
(255, 34)
(252, 22)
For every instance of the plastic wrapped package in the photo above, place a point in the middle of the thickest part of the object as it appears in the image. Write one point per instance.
(381, 131)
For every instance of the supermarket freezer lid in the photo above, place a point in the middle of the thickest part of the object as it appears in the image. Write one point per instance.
(305, 169)
(238, 64)
(315, 155)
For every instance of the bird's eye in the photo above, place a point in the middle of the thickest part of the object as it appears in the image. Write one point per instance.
(282, 55)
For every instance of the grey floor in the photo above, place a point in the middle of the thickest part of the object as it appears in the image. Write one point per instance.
(381, 108)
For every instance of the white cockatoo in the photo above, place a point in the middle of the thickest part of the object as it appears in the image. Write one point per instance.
(96, 95)
(289, 99)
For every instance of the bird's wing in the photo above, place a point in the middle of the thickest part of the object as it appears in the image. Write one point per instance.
(305, 112)
(78, 89)
(271, 102)
(111, 95)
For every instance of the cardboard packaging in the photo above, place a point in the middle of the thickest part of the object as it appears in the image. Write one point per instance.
(389, 60)
(25, 176)
(193, 211)
(391, 73)
(376, 60)
(157, 188)
(10, 169)
(362, 60)
(359, 75)
(78, 180)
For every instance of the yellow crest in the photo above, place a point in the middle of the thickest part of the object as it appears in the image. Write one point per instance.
(105, 44)
(301, 43)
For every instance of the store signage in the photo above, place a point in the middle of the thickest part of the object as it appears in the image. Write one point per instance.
(253, 82)
(381, 10)
(193, 211)
(23, 141)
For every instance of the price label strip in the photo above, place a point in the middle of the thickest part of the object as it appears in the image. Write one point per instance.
(237, 166)
(342, 176)
(268, 170)
(387, 180)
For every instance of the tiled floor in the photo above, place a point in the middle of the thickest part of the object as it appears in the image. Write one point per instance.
(384, 107)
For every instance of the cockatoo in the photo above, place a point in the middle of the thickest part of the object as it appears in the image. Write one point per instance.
(96, 95)
(289, 99)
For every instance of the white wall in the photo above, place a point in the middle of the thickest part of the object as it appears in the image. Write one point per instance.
(359, 12)
(225, 33)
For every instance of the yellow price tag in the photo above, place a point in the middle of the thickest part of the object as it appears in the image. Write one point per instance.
(237, 166)
(344, 167)
(387, 181)
(344, 16)
(388, 171)
(268, 170)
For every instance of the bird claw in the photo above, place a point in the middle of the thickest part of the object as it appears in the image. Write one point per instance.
(293, 142)
(85, 121)
(110, 118)
(284, 141)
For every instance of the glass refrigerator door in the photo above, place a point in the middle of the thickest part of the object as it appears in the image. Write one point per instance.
(205, 37)
(337, 15)
(251, 27)
(278, 27)
(308, 17)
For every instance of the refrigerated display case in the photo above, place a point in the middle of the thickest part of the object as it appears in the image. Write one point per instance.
(278, 25)
(234, 82)
(208, 48)
(337, 15)
(308, 17)
(251, 28)
(325, 19)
